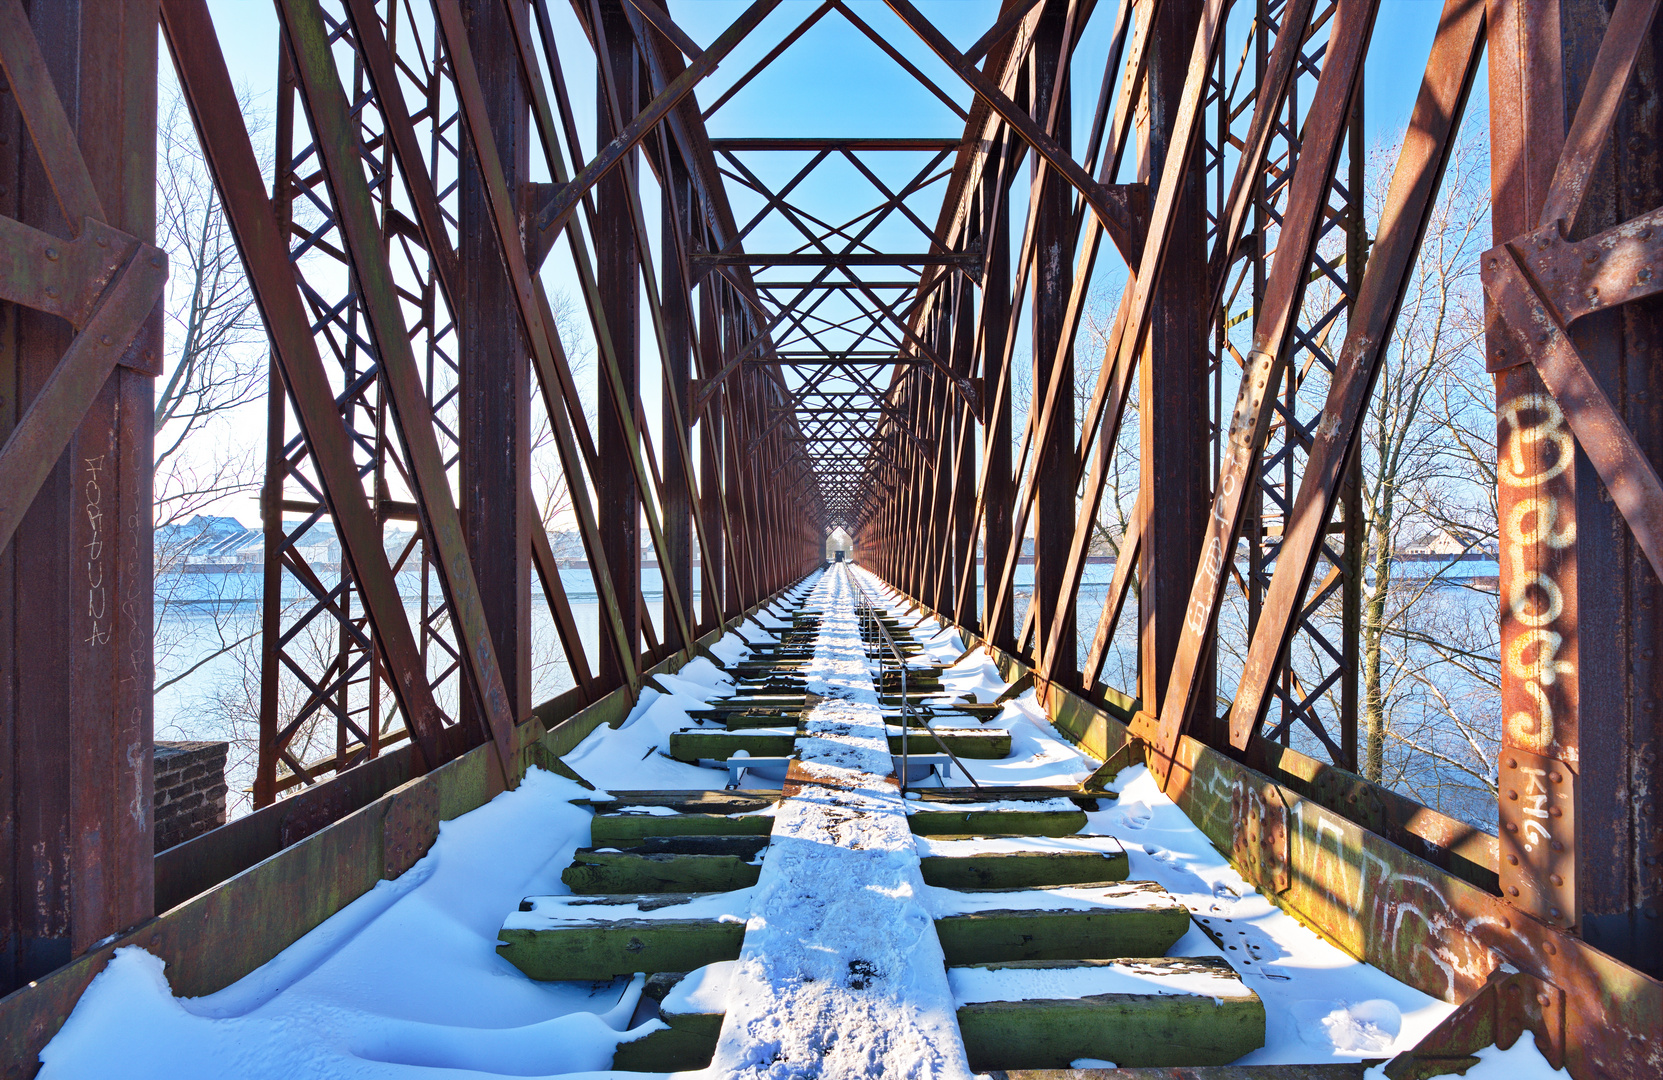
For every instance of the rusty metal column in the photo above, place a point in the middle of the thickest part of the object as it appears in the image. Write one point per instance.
(997, 490)
(733, 436)
(1581, 732)
(75, 582)
(676, 216)
(617, 272)
(494, 391)
(943, 405)
(710, 463)
(1174, 453)
(964, 459)
(1053, 513)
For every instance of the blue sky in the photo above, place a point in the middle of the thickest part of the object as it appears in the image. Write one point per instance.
(835, 82)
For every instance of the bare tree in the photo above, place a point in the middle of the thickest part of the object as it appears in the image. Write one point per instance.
(554, 499)
(215, 366)
(1428, 650)
(1120, 480)
(218, 363)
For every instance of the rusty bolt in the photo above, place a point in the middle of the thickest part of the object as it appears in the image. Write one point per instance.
(1543, 1000)
(1557, 846)
(1494, 262)
(52, 291)
(1552, 949)
(1555, 777)
(51, 254)
(1645, 233)
(1644, 274)
(1501, 353)
(1513, 796)
(1554, 811)
(1506, 923)
(1512, 890)
(1593, 295)
(1512, 763)
(1513, 988)
(1553, 911)
(1592, 257)
(1512, 860)
(1512, 826)
(156, 261)
(106, 340)
(1556, 879)
(103, 241)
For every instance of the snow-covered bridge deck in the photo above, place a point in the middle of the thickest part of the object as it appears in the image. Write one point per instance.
(812, 925)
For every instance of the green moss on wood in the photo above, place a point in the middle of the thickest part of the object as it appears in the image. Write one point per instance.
(935, 822)
(665, 1050)
(606, 949)
(1085, 934)
(621, 830)
(1026, 869)
(638, 870)
(1132, 1030)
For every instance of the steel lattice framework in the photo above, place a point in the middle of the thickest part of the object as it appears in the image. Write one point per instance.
(436, 406)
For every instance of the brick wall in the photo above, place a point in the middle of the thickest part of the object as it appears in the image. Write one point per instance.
(190, 790)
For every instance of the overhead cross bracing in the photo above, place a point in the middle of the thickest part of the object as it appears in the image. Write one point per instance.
(1101, 343)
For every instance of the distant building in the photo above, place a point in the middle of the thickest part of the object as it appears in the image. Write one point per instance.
(1443, 543)
(211, 544)
(204, 543)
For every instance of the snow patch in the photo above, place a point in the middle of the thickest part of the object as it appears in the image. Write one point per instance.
(1521, 1061)
(978, 984)
(403, 980)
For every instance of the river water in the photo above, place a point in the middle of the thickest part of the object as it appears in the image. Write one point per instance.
(208, 661)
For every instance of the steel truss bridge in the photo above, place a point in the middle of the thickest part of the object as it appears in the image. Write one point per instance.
(746, 364)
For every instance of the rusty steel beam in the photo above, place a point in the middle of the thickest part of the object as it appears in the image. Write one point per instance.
(494, 402)
(1579, 728)
(552, 218)
(337, 142)
(1055, 284)
(1111, 203)
(549, 360)
(703, 261)
(1451, 67)
(76, 667)
(207, 86)
(1255, 402)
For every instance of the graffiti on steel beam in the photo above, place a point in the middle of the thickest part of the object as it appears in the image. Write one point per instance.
(1536, 449)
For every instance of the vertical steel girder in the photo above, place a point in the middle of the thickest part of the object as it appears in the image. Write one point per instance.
(1580, 502)
(617, 270)
(80, 341)
(1256, 400)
